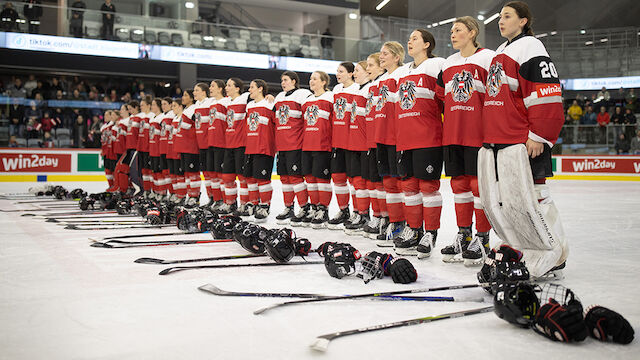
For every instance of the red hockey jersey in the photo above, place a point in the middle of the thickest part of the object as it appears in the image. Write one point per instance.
(185, 141)
(418, 110)
(133, 127)
(105, 140)
(370, 112)
(155, 127)
(171, 137)
(357, 122)
(385, 118)
(143, 134)
(120, 134)
(523, 95)
(165, 130)
(260, 128)
(217, 122)
(317, 113)
(461, 87)
(235, 135)
(202, 120)
(342, 99)
(290, 126)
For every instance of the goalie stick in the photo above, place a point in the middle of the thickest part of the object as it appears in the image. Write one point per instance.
(212, 289)
(115, 244)
(321, 342)
(130, 236)
(147, 260)
(76, 227)
(221, 266)
(343, 297)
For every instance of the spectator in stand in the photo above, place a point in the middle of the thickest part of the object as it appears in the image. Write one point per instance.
(32, 116)
(76, 23)
(634, 148)
(30, 84)
(327, 44)
(108, 17)
(617, 119)
(8, 16)
(13, 142)
(113, 95)
(631, 96)
(16, 118)
(47, 123)
(93, 138)
(630, 123)
(17, 90)
(47, 140)
(39, 90)
(76, 96)
(575, 111)
(603, 120)
(622, 145)
(620, 97)
(79, 132)
(630, 105)
(55, 86)
(589, 118)
(33, 13)
(604, 94)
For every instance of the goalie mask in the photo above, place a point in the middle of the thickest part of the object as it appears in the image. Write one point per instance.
(340, 260)
(516, 303)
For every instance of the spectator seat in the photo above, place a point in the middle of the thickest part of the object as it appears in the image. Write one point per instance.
(176, 39)
(164, 38)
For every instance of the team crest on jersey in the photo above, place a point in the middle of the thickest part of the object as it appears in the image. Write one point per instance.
(198, 118)
(283, 114)
(230, 115)
(384, 95)
(253, 121)
(407, 95)
(340, 107)
(494, 79)
(311, 115)
(163, 129)
(462, 86)
(354, 111)
(212, 115)
(369, 105)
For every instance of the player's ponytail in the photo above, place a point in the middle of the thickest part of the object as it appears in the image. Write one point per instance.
(522, 9)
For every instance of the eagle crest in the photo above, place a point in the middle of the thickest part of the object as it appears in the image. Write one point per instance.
(311, 115)
(230, 115)
(369, 104)
(283, 114)
(354, 111)
(340, 107)
(252, 121)
(212, 115)
(494, 79)
(407, 95)
(384, 95)
(163, 129)
(462, 86)
(198, 119)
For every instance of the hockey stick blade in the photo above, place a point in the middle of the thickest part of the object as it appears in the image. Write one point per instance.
(212, 289)
(321, 343)
(144, 235)
(147, 260)
(114, 244)
(397, 292)
(221, 266)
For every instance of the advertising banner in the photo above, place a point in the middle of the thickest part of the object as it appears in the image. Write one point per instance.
(35, 162)
(612, 165)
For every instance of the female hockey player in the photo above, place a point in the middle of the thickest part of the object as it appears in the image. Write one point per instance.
(289, 132)
(419, 158)
(260, 148)
(377, 196)
(235, 136)
(163, 147)
(357, 150)
(155, 127)
(201, 122)
(215, 142)
(522, 118)
(316, 146)
(107, 152)
(121, 179)
(461, 87)
(131, 142)
(178, 186)
(143, 144)
(391, 59)
(186, 145)
(342, 98)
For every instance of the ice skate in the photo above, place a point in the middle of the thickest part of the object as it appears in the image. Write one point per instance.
(453, 253)
(427, 243)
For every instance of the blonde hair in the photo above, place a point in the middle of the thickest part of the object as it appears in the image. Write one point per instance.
(363, 64)
(376, 57)
(471, 24)
(396, 49)
(324, 77)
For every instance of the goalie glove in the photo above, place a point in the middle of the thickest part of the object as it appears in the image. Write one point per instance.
(607, 325)
(561, 322)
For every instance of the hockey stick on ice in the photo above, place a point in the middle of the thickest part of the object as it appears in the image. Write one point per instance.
(212, 289)
(117, 227)
(397, 292)
(71, 213)
(147, 260)
(181, 268)
(130, 236)
(115, 244)
(321, 343)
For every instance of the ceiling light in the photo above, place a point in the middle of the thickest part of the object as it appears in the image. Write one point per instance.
(554, 32)
(604, 40)
(382, 4)
(189, 5)
(583, 31)
(447, 21)
(480, 17)
(541, 35)
(589, 43)
(491, 18)
(353, 16)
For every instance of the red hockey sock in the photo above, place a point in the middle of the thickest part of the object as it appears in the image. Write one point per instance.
(341, 189)
(300, 189)
(463, 199)
(287, 190)
(394, 199)
(324, 191)
(266, 191)
(432, 203)
(312, 189)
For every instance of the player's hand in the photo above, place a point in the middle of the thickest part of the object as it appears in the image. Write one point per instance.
(534, 148)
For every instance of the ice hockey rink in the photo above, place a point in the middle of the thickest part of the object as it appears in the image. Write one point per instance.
(62, 299)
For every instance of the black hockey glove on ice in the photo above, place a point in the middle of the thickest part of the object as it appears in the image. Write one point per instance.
(561, 322)
(607, 325)
(402, 271)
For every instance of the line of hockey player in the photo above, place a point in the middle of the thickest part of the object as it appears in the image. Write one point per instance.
(381, 135)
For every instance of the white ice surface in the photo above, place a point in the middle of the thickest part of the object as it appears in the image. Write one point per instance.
(61, 299)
